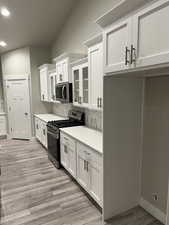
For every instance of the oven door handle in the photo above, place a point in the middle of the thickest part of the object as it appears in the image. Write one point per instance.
(53, 135)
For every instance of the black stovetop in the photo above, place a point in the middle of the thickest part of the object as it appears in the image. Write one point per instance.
(75, 119)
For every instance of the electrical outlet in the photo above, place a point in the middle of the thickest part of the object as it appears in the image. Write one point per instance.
(155, 197)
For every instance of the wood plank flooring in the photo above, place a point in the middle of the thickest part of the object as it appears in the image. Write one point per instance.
(34, 192)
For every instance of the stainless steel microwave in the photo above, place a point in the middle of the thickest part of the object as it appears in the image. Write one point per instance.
(64, 92)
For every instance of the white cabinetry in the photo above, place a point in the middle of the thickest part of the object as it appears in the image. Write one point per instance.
(138, 41)
(95, 67)
(63, 68)
(68, 154)
(89, 171)
(53, 82)
(3, 130)
(95, 57)
(84, 164)
(41, 131)
(44, 81)
(117, 42)
(80, 83)
(150, 36)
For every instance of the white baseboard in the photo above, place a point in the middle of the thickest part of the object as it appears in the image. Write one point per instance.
(158, 214)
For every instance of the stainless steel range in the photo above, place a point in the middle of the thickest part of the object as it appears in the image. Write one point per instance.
(76, 118)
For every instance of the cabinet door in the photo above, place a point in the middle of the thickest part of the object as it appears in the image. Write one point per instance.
(151, 36)
(95, 181)
(64, 156)
(117, 42)
(59, 71)
(62, 71)
(37, 128)
(72, 161)
(65, 70)
(85, 84)
(3, 125)
(44, 84)
(76, 85)
(44, 134)
(95, 54)
(82, 173)
(53, 80)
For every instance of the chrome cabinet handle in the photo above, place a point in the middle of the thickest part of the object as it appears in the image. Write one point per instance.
(133, 55)
(60, 77)
(127, 51)
(84, 164)
(44, 132)
(65, 149)
(98, 102)
(80, 100)
(87, 166)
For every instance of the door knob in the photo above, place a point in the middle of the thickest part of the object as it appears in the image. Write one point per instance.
(26, 114)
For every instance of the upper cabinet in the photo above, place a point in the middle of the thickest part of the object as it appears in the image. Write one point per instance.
(44, 81)
(95, 64)
(80, 79)
(138, 41)
(117, 42)
(150, 36)
(63, 68)
(52, 85)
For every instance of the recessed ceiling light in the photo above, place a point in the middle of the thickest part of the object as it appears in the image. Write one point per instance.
(3, 44)
(5, 12)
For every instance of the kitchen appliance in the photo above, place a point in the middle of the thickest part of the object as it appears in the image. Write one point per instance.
(76, 118)
(64, 92)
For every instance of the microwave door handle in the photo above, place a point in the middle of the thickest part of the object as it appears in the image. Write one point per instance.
(63, 88)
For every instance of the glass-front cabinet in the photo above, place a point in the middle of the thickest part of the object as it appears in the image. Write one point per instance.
(80, 83)
(53, 81)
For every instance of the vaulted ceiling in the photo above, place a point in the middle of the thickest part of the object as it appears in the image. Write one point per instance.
(33, 22)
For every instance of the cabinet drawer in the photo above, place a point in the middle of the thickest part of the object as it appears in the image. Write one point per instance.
(66, 140)
(89, 154)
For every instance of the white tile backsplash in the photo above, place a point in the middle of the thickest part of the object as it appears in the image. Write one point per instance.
(93, 118)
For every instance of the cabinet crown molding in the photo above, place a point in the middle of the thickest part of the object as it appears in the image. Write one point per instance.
(48, 66)
(120, 10)
(79, 62)
(94, 40)
(71, 56)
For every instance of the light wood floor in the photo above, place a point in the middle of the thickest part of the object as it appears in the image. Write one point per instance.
(34, 192)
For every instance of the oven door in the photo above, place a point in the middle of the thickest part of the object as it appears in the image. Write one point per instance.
(54, 148)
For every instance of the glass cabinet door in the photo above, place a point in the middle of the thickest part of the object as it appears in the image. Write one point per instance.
(76, 85)
(85, 79)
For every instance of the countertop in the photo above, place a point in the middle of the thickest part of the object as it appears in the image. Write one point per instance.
(49, 117)
(89, 137)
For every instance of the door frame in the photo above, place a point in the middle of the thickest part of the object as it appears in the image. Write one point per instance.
(26, 77)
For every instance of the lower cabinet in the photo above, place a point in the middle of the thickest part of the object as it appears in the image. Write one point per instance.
(3, 130)
(84, 164)
(68, 154)
(41, 131)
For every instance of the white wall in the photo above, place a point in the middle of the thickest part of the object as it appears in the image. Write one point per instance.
(122, 143)
(155, 163)
(26, 61)
(80, 25)
(16, 62)
(38, 56)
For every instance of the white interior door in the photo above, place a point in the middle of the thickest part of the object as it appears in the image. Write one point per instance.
(18, 102)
